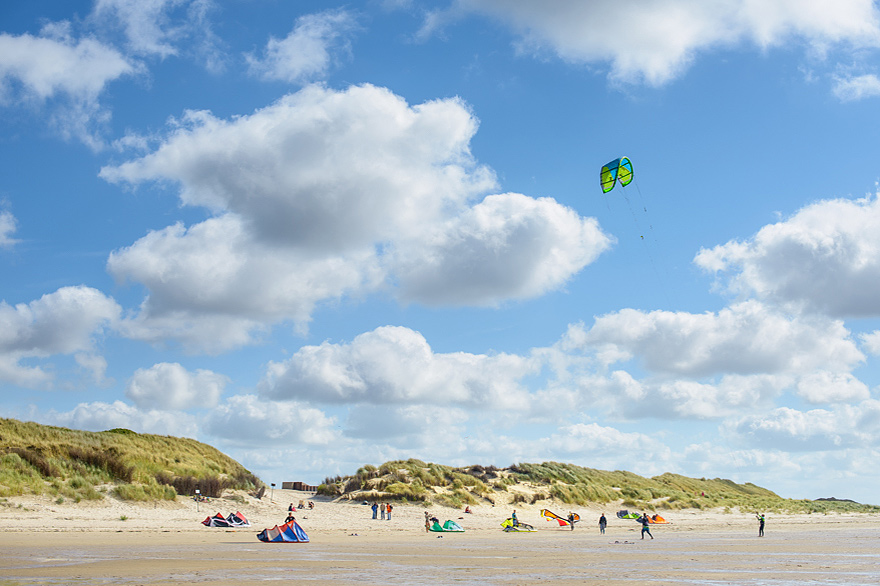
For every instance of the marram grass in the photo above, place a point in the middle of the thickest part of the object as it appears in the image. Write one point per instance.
(81, 465)
(553, 482)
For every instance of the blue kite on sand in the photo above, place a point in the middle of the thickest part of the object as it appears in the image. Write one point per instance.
(290, 532)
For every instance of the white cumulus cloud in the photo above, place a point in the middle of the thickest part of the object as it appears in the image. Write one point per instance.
(64, 322)
(507, 246)
(100, 416)
(745, 338)
(825, 258)
(656, 40)
(845, 426)
(604, 446)
(169, 386)
(251, 420)
(394, 364)
(330, 193)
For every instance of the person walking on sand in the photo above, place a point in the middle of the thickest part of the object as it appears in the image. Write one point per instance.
(760, 518)
(427, 522)
(603, 522)
(646, 525)
(375, 508)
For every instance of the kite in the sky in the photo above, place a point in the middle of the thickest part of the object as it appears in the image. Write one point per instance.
(618, 170)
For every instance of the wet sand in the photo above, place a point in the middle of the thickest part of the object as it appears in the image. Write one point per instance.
(155, 546)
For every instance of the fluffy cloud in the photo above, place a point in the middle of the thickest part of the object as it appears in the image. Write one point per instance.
(507, 246)
(846, 426)
(323, 171)
(681, 398)
(597, 446)
(825, 258)
(871, 342)
(656, 41)
(327, 193)
(396, 365)
(171, 387)
(95, 365)
(410, 426)
(100, 416)
(673, 365)
(63, 322)
(832, 387)
(212, 287)
(745, 338)
(72, 73)
(250, 420)
(305, 52)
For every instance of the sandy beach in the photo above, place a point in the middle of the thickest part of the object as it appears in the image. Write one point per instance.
(112, 542)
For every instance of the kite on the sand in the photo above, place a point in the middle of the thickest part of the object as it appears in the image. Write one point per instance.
(563, 521)
(290, 532)
(511, 526)
(449, 526)
(235, 519)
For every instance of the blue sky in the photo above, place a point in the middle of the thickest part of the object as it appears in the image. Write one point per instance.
(322, 235)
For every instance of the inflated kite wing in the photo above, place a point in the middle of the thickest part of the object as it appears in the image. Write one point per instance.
(290, 532)
(448, 526)
(235, 519)
(617, 171)
(563, 521)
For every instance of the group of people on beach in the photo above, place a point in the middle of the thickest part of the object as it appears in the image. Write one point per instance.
(383, 512)
(291, 509)
(382, 508)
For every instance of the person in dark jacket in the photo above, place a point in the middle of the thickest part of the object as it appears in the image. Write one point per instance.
(646, 525)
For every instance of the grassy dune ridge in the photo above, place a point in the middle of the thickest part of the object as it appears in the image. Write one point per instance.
(77, 465)
(83, 465)
(554, 482)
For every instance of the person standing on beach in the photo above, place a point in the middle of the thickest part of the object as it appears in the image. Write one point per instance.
(571, 520)
(382, 511)
(389, 511)
(427, 522)
(646, 522)
(760, 518)
(375, 508)
(513, 516)
(602, 523)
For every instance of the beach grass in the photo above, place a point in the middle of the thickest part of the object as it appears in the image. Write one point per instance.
(554, 482)
(84, 465)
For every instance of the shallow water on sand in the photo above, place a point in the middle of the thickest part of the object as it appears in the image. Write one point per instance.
(843, 557)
